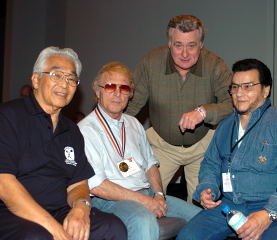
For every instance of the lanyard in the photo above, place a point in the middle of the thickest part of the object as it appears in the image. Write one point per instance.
(232, 148)
(119, 150)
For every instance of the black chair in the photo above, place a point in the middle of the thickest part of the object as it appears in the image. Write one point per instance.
(170, 227)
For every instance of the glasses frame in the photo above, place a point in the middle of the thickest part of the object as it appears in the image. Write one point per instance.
(242, 86)
(118, 86)
(64, 76)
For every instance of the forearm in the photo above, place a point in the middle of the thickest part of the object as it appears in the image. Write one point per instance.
(154, 178)
(222, 106)
(210, 171)
(21, 203)
(215, 112)
(112, 191)
(77, 191)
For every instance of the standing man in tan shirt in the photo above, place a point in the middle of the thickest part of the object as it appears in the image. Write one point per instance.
(186, 87)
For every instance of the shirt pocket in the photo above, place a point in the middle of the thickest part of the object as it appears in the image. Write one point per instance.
(265, 157)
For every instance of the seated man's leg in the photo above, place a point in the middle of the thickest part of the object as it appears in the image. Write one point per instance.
(13, 227)
(103, 225)
(180, 209)
(140, 222)
(207, 224)
(106, 226)
(271, 232)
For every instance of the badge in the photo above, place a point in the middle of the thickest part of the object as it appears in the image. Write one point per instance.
(227, 184)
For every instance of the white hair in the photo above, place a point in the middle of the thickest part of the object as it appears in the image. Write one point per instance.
(52, 51)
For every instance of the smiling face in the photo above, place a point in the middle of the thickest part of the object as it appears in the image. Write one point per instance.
(53, 96)
(185, 48)
(115, 102)
(246, 101)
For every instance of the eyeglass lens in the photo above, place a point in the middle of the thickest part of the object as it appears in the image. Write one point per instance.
(244, 86)
(70, 78)
(111, 87)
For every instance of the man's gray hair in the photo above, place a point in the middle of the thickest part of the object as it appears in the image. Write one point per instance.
(186, 23)
(40, 63)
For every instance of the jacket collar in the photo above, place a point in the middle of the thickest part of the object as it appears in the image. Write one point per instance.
(257, 113)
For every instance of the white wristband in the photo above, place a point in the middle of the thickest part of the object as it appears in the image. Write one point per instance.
(201, 111)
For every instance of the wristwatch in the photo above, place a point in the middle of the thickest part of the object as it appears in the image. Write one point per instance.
(272, 215)
(160, 193)
(85, 201)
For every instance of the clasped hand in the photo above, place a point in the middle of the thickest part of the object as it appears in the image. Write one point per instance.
(76, 226)
(189, 120)
(157, 206)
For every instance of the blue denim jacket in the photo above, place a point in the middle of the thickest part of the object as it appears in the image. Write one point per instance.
(252, 165)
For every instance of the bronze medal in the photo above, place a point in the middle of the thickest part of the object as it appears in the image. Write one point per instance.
(123, 167)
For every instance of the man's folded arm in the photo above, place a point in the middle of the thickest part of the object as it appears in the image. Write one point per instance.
(20, 202)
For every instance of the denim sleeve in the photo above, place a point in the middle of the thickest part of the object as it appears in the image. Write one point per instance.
(272, 203)
(210, 171)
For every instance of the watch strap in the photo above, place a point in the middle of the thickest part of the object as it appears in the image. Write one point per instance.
(160, 193)
(272, 215)
(87, 202)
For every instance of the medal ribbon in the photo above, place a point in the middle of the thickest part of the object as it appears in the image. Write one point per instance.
(109, 131)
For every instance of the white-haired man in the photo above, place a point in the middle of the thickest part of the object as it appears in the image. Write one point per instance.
(44, 192)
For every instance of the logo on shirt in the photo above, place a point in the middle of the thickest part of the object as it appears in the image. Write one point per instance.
(70, 156)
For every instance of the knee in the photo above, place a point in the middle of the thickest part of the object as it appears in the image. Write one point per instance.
(115, 228)
(35, 232)
(144, 221)
(145, 218)
(106, 226)
(138, 219)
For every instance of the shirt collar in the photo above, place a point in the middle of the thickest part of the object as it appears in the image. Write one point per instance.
(32, 105)
(34, 108)
(195, 70)
(259, 111)
(109, 119)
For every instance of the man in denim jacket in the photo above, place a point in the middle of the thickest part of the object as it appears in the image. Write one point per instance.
(240, 165)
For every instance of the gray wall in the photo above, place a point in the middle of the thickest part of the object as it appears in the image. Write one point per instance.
(30, 26)
(124, 30)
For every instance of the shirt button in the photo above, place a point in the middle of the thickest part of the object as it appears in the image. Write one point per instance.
(233, 176)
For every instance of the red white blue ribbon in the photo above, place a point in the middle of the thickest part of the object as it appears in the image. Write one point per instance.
(119, 150)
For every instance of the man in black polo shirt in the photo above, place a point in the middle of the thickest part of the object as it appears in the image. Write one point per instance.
(43, 168)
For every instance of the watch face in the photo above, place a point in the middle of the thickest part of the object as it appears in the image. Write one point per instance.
(272, 215)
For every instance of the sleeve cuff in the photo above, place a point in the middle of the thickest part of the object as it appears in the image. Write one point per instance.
(272, 203)
(96, 180)
(201, 187)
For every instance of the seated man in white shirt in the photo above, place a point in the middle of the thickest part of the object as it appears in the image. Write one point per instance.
(127, 181)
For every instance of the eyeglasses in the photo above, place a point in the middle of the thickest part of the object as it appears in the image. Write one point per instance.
(111, 87)
(233, 88)
(71, 79)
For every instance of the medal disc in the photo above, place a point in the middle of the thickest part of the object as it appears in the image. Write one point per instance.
(123, 167)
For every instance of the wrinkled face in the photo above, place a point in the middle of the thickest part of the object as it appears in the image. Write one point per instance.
(114, 102)
(249, 100)
(53, 96)
(185, 48)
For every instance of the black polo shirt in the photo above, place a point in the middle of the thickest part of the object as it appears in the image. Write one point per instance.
(45, 162)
